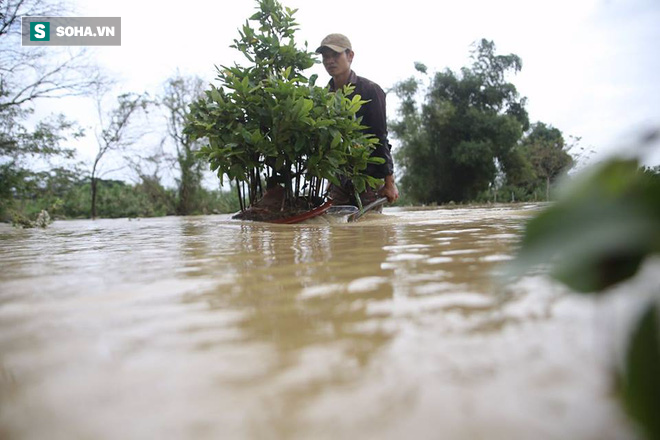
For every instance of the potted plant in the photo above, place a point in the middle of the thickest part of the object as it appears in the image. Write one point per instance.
(272, 131)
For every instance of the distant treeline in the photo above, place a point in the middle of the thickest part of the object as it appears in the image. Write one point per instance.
(66, 197)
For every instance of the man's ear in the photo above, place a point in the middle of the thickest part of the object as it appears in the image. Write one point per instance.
(350, 55)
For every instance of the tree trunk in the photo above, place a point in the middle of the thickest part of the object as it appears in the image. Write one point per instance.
(184, 204)
(190, 183)
(94, 183)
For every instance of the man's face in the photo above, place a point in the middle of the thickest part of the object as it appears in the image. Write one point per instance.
(337, 63)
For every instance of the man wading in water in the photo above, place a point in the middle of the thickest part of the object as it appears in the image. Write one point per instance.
(337, 58)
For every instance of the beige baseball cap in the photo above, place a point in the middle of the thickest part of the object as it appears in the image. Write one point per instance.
(336, 42)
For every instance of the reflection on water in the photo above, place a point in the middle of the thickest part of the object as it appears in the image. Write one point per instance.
(205, 327)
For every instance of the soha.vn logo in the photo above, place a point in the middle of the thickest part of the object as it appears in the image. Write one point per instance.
(40, 31)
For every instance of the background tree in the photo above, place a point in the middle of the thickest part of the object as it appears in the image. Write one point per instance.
(546, 151)
(179, 93)
(31, 73)
(147, 170)
(28, 75)
(37, 159)
(23, 151)
(453, 144)
(115, 134)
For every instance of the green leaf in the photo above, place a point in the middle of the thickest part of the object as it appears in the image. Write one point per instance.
(599, 232)
(325, 122)
(336, 140)
(256, 137)
(373, 182)
(640, 381)
(236, 171)
(306, 107)
(279, 162)
(216, 96)
(360, 183)
(376, 160)
(332, 178)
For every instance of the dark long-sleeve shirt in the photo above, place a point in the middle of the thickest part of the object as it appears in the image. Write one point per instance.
(374, 117)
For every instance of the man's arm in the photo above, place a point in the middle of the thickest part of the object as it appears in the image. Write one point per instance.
(378, 123)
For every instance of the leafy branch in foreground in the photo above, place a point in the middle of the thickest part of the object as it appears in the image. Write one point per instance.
(601, 229)
(604, 226)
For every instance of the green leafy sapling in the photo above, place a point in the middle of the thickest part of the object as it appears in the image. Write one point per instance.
(268, 125)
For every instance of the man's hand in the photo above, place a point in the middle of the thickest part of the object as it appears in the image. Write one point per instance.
(389, 190)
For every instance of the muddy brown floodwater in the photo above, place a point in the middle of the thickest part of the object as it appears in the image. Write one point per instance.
(210, 328)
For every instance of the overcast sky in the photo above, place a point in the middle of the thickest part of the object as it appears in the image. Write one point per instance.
(590, 67)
